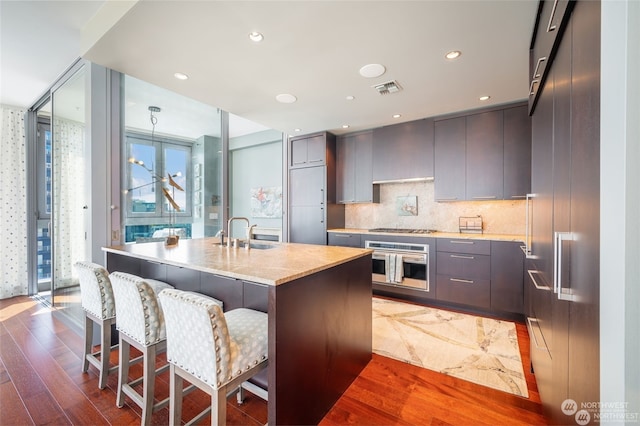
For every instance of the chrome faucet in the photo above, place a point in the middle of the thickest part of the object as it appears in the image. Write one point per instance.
(249, 227)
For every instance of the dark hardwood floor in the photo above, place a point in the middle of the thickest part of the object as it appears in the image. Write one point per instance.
(41, 383)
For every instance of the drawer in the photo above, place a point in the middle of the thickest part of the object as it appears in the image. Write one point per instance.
(464, 246)
(476, 292)
(344, 239)
(460, 265)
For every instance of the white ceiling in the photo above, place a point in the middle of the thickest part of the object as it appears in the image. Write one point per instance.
(312, 49)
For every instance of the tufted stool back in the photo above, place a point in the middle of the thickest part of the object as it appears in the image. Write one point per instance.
(96, 293)
(217, 351)
(138, 311)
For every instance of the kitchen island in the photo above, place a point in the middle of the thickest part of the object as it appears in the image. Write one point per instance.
(318, 300)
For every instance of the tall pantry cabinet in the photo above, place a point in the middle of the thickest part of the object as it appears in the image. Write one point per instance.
(563, 258)
(312, 188)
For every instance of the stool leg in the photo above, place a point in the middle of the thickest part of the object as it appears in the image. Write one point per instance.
(88, 340)
(175, 397)
(148, 383)
(219, 406)
(123, 371)
(105, 352)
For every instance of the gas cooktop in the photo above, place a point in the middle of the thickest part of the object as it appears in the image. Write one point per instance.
(403, 230)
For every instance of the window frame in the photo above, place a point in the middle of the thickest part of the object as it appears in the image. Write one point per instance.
(161, 215)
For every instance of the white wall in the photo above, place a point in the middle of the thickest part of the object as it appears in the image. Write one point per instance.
(620, 207)
(255, 161)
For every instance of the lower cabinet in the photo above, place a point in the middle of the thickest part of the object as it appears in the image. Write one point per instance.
(228, 290)
(481, 274)
(507, 264)
(464, 276)
(345, 240)
(233, 293)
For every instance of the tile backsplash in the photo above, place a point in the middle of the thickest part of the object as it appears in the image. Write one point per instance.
(499, 217)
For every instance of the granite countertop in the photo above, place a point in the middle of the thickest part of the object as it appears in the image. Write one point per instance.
(458, 235)
(274, 266)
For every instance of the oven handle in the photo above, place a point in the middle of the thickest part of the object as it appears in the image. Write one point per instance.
(406, 258)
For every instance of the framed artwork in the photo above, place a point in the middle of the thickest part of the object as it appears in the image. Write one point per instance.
(266, 201)
(407, 205)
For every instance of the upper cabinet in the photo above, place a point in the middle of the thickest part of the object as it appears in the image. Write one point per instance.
(403, 151)
(450, 164)
(308, 151)
(483, 156)
(354, 169)
(550, 23)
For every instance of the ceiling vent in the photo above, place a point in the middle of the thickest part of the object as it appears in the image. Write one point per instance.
(387, 87)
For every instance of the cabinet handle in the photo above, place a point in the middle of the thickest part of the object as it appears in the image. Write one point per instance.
(461, 242)
(342, 235)
(321, 215)
(486, 197)
(565, 294)
(531, 92)
(553, 12)
(535, 339)
(536, 74)
(321, 195)
(535, 283)
(459, 280)
(457, 256)
(519, 196)
(527, 225)
(447, 199)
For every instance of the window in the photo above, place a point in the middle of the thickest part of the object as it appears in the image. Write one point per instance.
(152, 203)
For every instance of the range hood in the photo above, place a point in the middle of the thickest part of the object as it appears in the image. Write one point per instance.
(420, 179)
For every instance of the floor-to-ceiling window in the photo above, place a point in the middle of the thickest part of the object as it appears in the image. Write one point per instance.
(58, 185)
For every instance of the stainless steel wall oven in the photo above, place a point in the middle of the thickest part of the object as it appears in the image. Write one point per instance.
(400, 264)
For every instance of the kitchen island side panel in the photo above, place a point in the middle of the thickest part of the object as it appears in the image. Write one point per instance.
(321, 327)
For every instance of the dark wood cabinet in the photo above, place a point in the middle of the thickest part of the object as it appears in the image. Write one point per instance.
(463, 272)
(255, 296)
(517, 153)
(345, 239)
(484, 156)
(354, 166)
(507, 265)
(308, 151)
(551, 21)
(185, 278)
(565, 164)
(403, 151)
(228, 290)
(450, 159)
(312, 191)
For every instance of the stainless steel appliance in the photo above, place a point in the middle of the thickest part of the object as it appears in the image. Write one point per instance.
(403, 230)
(414, 260)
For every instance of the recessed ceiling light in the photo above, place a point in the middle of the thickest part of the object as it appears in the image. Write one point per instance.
(350, 98)
(286, 98)
(372, 70)
(453, 54)
(255, 36)
(396, 115)
(485, 98)
(345, 126)
(181, 76)
(297, 130)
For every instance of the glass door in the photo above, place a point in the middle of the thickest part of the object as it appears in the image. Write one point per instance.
(70, 191)
(43, 200)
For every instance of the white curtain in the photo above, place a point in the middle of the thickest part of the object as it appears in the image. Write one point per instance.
(69, 192)
(13, 203)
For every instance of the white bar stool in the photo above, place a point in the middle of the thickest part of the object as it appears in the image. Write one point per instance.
(99, 306)
(214, 351)
(140, 322)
